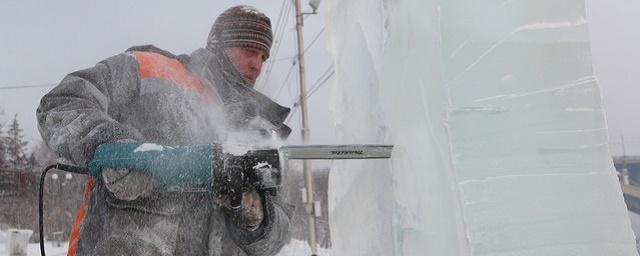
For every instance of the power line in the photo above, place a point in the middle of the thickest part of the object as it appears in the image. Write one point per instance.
(297, 77)
(268, 72)
(280, 24)
(279, 33)
(291, 115)
(275, 39)
(26, 86)
(315, 84)
(305, 50)
(323, 74)
(296, 105)
(315, 88)
(328, 73)
(312, 91)
(281, 28)
(286, 79)
(280, 14)
(314, 40)
(270, 67)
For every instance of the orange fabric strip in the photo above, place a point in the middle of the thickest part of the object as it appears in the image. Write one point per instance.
(151, 65)
(74, 237)
(159, 66)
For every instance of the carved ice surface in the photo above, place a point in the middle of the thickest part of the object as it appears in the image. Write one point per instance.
(499, 132)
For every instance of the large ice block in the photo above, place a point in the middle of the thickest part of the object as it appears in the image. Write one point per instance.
(499, 132)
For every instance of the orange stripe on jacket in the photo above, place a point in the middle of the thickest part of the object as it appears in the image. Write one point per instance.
(74, 237)
(151, 65)
(159, 66)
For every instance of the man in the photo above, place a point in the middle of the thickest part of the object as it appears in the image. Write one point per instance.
(152, 96)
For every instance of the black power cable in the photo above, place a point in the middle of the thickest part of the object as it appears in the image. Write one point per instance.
(62, 167)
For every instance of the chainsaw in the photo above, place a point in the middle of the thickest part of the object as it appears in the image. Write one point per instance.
(195, 168)
(199, 168)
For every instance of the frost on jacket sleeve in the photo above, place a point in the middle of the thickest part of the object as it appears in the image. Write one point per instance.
(81, 112)
(273, 234)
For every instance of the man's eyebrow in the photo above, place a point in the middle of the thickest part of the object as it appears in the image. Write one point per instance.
(252, 50)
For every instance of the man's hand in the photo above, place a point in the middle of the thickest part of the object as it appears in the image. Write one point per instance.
(239, 199)
(237, 175)
(252, 210)
(238, 187)
(250, 214)
(128, 185)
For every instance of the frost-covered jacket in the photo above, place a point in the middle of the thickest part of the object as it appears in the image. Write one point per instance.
(150, 95)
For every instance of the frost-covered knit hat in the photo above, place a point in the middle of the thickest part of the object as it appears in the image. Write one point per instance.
(241, 26)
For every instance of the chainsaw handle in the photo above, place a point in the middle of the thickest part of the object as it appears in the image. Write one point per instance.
(171, 166)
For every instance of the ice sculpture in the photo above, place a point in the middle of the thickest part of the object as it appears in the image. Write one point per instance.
(501, 142)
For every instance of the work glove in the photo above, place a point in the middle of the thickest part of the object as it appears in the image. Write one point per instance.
(128, 185)
(250, 213)
(239, 186)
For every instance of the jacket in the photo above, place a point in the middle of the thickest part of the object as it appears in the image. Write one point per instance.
(149, 95)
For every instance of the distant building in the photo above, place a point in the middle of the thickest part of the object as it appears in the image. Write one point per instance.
(293, 185)
(19, 201)
(632, 164)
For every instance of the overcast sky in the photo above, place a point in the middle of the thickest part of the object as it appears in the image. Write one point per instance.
(41, 41)
(616, 58)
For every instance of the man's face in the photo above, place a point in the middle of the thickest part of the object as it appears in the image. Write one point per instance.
(248, 61)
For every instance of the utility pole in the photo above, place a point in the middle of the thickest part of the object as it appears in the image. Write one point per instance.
(624, 172)
(306, 167)
(624, 150)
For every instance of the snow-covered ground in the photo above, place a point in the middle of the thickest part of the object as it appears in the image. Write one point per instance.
(34, 249)
(300, 248)
(294, 248)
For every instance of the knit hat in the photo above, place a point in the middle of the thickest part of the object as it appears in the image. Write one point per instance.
(241, 26)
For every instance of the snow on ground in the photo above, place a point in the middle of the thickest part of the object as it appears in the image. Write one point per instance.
(34, 249)
(294, 248)
(300, 248)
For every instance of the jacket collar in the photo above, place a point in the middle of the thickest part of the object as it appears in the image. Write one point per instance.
(243, 103)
